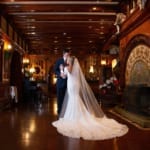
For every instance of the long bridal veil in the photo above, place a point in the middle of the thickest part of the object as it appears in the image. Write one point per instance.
(80, 86)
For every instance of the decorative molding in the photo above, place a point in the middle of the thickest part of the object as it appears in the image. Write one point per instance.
(138, 65)
(134, 42)
(134, 20)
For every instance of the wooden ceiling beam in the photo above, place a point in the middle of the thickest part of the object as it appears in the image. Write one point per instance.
(65, 13)
(60, 3)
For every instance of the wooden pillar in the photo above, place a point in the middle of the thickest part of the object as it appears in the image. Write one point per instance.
(1, 57)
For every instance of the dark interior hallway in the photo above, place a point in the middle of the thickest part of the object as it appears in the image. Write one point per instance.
(28, 127)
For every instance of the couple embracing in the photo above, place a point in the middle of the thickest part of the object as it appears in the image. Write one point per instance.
(80, 115)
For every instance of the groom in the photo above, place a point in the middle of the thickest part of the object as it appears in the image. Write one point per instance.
(61, 84)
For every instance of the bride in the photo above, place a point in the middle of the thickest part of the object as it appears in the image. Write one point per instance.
(81, 115)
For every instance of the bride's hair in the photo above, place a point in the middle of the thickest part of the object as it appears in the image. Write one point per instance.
(70, 59)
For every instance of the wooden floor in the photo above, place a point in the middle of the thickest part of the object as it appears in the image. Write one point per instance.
(28, 127)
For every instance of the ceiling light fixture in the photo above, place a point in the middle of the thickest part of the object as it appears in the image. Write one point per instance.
(94, 8)
(64, 33)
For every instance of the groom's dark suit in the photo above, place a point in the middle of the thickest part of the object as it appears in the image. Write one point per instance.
(61, 84)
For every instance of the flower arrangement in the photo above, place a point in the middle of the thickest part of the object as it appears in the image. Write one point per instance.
(111, 85)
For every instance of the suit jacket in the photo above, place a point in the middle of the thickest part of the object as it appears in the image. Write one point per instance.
(61, 83)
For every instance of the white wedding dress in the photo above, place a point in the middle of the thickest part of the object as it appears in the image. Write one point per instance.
(81, 115)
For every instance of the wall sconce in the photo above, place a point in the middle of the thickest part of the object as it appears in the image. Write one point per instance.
(113, 63)
(25, 60)
(54, 79)
(103, 62)
(7, 46)
(32, 70)
(91, 70)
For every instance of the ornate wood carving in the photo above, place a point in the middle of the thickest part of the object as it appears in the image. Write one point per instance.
(134, 31)
(134, 20)
(137, 69)
(1, 56)
(138, 40)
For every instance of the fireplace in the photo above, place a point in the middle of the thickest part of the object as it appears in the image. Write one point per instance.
(136, 96)
(136, 99)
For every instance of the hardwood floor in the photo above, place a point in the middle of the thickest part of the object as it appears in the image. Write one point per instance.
(28, 127)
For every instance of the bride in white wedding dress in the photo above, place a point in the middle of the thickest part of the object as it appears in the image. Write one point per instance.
(81, 115)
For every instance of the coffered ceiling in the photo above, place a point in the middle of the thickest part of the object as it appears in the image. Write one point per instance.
(50, 26)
